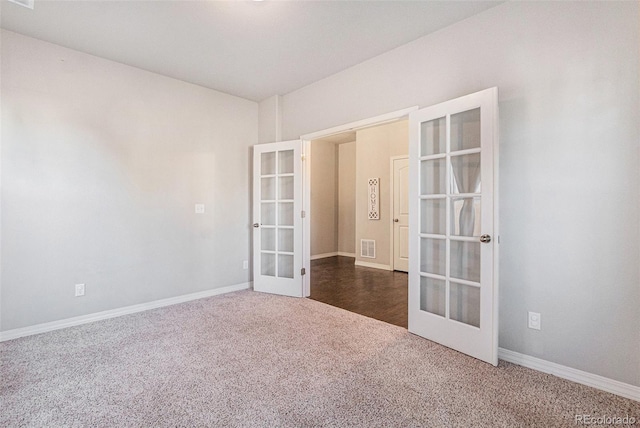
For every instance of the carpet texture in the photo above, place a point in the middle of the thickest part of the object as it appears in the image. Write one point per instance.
(250, 359)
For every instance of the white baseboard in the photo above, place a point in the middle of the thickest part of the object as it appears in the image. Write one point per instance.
(112, 313)
(343, 254)
(373, 265)
(596, 381)
(337, 253)
(324, 255)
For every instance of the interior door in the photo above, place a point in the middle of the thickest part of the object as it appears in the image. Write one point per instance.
(453, 286)
(401, 214)
(277, 217)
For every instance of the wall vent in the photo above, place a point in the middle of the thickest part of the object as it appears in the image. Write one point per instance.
(25, 3)
(368, 248)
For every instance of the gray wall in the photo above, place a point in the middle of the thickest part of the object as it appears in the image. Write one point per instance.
(101, 167)
(569, 106)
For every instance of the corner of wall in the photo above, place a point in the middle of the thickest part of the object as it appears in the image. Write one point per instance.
(270, 119)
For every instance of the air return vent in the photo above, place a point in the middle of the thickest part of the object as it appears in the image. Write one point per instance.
(25, 3)
(368, 248)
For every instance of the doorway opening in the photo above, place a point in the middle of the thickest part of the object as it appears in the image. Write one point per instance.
(453, 263)
(358, 218)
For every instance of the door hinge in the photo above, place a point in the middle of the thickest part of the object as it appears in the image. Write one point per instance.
(303, 214)
(303, 271)
(302, 157)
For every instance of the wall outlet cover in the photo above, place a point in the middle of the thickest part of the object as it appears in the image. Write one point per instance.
(534, 320)
(199, 208)
(79, 290)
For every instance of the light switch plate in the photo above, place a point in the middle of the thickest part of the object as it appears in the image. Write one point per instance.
(199, 208)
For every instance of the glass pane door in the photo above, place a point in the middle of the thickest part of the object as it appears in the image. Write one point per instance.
(276, 220)
(452, 292)
(277, 199)
(450, 210)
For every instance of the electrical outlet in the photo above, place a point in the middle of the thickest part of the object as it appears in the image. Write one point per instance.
(245, 264)
(199, 208)
(534, 320)
(79, 290)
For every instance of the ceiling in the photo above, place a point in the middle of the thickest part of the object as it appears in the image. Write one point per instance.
(246, 48)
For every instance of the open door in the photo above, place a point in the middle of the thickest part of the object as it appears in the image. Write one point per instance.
(453, 287)
(277, 217)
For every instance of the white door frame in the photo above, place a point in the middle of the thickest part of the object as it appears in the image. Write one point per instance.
(306, 176)
(391, 211)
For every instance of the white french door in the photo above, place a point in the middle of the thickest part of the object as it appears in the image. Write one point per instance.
(453, 224)
(277, 219)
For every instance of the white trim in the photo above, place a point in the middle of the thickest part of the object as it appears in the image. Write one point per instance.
(595, 381)
(306, 222)
(496, 221)
(360, 124)
(343, 254)
(373, 265)
(392, 261)
(324, 255)
(335, 253)
(113, 313)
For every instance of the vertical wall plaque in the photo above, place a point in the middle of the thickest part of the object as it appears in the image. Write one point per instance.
(374, 199)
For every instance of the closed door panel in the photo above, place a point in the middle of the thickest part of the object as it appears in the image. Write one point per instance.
(401, 214)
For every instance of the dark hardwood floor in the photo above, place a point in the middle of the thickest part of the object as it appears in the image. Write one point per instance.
(370, 292)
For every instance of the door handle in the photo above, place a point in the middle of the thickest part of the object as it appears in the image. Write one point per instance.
(485, 238)
(256, 224)
(395, 220)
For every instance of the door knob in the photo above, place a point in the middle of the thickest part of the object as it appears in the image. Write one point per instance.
(395, 220)
(256, 224)
(485, 238)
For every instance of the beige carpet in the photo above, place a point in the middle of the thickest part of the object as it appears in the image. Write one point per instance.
(250, 359)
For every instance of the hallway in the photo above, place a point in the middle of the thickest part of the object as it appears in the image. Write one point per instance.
(370, 292)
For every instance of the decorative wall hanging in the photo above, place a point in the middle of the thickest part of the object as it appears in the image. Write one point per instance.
(374, 199)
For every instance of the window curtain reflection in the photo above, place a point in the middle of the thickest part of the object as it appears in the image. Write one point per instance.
(465, 262)
(466, 179)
